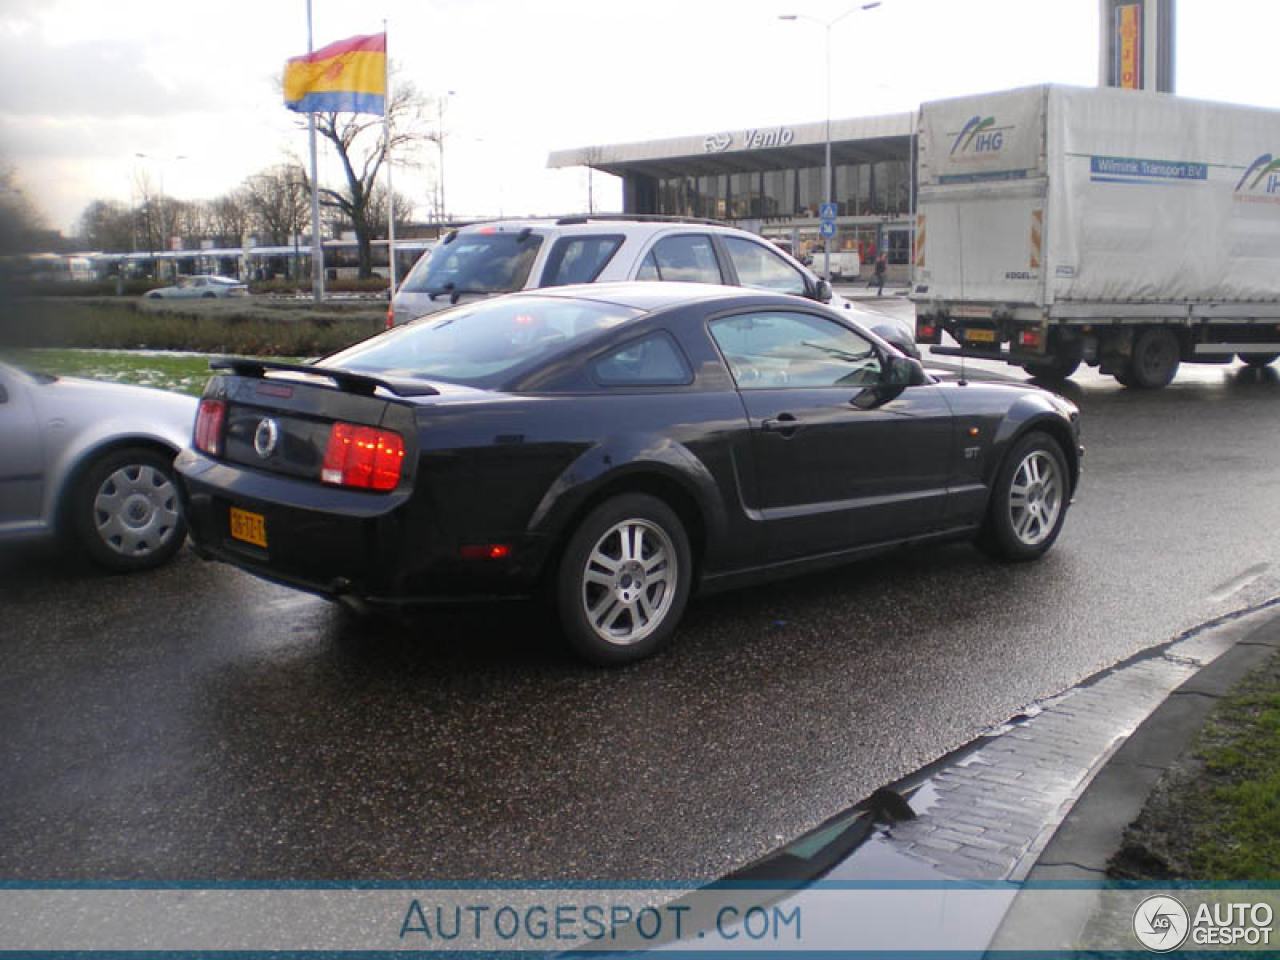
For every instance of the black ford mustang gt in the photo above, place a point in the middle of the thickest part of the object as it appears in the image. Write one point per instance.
(614, 446)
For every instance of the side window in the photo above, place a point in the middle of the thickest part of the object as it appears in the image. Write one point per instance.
(578, 259)
(688, 257)
(779, 349)
(760, 267)
(649, 361)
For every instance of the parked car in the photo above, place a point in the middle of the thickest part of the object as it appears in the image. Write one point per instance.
(613, 446)
(94, 462)
(488, 259)
(201, 286)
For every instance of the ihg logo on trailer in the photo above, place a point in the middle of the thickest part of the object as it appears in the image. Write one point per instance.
(1261, 181)
(979, 137)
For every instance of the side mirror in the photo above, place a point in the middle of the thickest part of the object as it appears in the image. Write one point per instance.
(904, 372)
(822, 291)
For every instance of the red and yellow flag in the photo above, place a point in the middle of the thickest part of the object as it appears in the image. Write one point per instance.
(349, 75)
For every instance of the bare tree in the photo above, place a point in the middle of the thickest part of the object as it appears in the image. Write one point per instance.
(358, 140)
(107, 225)
(277, 200)
(230, 218)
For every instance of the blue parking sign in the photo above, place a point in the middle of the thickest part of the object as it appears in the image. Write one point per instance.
(827, 211)
(827, 228)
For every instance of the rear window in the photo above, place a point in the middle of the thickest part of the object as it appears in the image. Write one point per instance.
(477, 263)
(477, 343)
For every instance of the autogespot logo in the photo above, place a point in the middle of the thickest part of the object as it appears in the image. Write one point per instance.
(1161, 923)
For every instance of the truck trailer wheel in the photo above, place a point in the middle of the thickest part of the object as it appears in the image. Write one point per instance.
(1053, 368)
(1156, 356)
(1259, 359)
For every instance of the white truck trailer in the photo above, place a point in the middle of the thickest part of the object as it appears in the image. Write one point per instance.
(1132, 231)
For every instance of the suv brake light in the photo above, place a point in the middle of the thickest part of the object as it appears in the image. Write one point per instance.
(363, 457)
(208, 431)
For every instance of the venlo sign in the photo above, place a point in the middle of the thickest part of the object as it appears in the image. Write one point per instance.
(749, 140)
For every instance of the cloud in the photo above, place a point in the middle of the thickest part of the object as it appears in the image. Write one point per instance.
(93, 79)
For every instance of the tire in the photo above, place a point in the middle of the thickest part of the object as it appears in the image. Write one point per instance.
(1028, 500)
(1125, 377)
(1053, 368)
(1156, 356)
(601, 606)
(1259, 359)
(208, 296)
(126, 512)
(154, 296)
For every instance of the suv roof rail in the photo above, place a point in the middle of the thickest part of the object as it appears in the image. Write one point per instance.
(640, 217)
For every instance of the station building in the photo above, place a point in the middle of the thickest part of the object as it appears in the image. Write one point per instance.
(769, 180)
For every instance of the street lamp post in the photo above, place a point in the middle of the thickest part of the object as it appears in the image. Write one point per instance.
(164, 228)
(826, 170)
(440, 144)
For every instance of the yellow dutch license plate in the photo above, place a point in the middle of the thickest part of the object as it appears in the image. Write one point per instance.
(249, 527)
(979, 335)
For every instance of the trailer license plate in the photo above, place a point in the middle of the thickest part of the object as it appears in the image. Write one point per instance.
(979, 335)
(249, 527)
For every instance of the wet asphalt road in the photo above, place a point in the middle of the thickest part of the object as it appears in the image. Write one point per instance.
(197, 724)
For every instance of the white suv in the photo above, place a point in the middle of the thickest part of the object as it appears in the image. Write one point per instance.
(487, 259)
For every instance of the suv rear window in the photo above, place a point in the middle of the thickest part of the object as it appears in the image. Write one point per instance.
(478, 263)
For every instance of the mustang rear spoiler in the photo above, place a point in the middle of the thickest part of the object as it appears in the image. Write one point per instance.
(347, 382)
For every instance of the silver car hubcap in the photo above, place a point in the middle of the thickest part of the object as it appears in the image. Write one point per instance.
(1035, 498)
(629, 581)
(136, 510)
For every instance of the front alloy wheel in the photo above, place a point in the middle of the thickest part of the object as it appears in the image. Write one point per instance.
(624, 580)
(1028, 501)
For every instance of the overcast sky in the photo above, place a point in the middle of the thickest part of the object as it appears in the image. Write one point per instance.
(85, 85)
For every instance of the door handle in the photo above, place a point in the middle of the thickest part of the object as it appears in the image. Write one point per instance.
(784, 423)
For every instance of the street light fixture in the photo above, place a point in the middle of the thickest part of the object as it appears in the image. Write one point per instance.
(164, 228)
(826, 172)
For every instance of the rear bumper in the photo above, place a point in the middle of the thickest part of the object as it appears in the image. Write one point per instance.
(383, 549)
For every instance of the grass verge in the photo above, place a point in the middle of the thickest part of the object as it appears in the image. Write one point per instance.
(1215, 815)
(179, 372)
(243, 326)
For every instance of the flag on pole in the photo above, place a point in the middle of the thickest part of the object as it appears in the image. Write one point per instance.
(349, 75)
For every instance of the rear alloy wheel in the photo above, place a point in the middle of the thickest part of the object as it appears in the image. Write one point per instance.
(1028, 501)
(1259, 359)
(624, 580)
(1156, 355)
(126, 511)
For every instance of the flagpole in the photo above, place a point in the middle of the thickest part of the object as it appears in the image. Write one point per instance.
(317, 247)
(386, 154)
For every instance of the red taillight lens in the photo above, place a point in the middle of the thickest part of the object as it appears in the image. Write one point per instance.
(208, 432)
(1031, 338)
(364, 457)
(391, 317)
(486, 551)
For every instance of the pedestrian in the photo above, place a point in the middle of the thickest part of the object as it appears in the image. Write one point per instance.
(881, 267)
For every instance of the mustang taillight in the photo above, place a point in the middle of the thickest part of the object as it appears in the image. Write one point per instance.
(363, 457)
(208, 432)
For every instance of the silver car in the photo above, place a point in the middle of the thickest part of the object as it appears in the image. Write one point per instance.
(202, 287)
(92, 462)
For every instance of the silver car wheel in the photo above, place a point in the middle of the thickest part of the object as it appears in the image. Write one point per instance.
(629, 581)
(1035, 498)
(135, 510)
